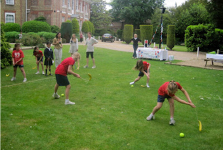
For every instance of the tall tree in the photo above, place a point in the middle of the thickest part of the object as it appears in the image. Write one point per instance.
(134, 12)
(100, 17)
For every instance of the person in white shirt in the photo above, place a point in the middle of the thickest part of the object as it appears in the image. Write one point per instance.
(74, 46)
(90, 41)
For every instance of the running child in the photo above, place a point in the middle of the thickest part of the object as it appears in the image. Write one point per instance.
(48, 53)
(143, 68)
(168, 90)
(65, 67)
(17, 60)
(39, 58)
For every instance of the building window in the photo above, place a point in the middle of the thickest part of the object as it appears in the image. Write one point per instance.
(63, 3)
(72, 4)
(47, 2)
(34, 2)
(63, 19)
(9, 17)
(86, 8)
(68, 3)
(77, 2)
(81, 7)
(9, 2)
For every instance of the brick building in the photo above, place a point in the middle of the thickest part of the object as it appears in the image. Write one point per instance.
(55, 11)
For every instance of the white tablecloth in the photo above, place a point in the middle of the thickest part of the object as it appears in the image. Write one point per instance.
(152, 53)
(215, 57)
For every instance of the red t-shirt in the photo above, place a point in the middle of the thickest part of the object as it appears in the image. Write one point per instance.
(63, 66)
(163, 89)
(38, 54)
(145, 65)
(16, 55)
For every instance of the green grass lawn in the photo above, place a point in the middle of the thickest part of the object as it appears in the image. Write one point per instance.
(109, 114)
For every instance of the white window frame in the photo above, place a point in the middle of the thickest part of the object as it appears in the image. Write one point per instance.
(8, 13)
(63, 3)
(77, 3)
(68, 4)
(72, 4)
(63, 19)
(81, 7)
(7, 2)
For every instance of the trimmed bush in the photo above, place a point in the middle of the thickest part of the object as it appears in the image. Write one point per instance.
(146, 32)
(35, 26)
(137, 31)
(8, 27)
(68, 21)
(206, 37)
(66, 30)
(85, 27)
(170, 36)
(75, 26)
(41, 18)
(54, 29)
(6, 56)
(30, 39)
(11, 36)
(128, 33)
(48, 36)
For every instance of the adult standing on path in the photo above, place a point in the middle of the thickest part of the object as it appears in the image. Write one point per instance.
(135, 45)
(57, 42)
(74, 46)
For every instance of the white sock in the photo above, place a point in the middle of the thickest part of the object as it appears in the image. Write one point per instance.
(66, 100)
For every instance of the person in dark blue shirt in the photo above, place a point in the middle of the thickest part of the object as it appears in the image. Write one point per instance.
(135, 45)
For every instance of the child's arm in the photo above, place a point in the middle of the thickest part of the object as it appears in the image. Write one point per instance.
(69, 70)
(18, 60)
(186, 94)
(13, 61)
(183, 102)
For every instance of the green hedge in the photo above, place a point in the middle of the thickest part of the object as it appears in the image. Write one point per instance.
(206, 37)
(30, 39)
(35, 26)
(75, 26)
(66, 31)
(55, 29)
(6, 56)
(85, 27)
(11, 36)
(128, 33)
(170, 36)
(8, 27)
(146, 32)
(137, 31)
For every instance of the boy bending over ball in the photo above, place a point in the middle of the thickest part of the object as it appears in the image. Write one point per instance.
(65, 67)
(167, 90)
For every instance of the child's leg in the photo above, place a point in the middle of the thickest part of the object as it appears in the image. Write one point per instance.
(50, 69)
(46, 70)
(157, 107)
(37, 66)
(171, 102)
(137, 79)
(15, 69)
(67, 91)
(93, 61)
(42, 66)
(23, 72)
(56, 88)
(87, 61)
(148, 77)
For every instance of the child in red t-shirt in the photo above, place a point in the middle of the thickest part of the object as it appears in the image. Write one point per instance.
(143, 68)
(39, 58)
(17, 60)
(65, 67)
(167, 90)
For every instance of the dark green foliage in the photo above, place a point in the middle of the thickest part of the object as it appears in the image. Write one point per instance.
(8, 27)
(66, 30)
(171, 36)
(47, 36)
(68, 21)
(137, 31)
(85, 27)
(11, 36)
(75, 26)
(146, 32)
(41, 18)
(119, 34)
(206, 37)
(91, 27)
(30, 39)
(6, 56)
(100, 32)
(54, 29)
(128, 34)
(35, 26)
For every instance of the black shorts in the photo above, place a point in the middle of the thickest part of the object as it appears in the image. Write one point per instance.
(141, 74)
(48, 62)
(20, 66)
(62, 80)
(161, 98)
(38, 58)
(87, 54)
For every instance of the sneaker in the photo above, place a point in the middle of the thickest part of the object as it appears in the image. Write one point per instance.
(85, 66)
(43, 72)
(56, 96)
(172, 121)
(24, 80)
(93, 67)
(131, 83)
(37, 72)
(13, 79)
(69, 103)
(150, 117)
(147, 86)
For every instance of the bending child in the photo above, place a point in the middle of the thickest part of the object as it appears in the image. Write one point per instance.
(39, 58)
(167, 90)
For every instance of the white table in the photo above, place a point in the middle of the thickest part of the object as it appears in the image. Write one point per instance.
(152, 53)
(215, 57)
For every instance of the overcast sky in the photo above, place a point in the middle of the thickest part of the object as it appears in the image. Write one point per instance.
(167, 3)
